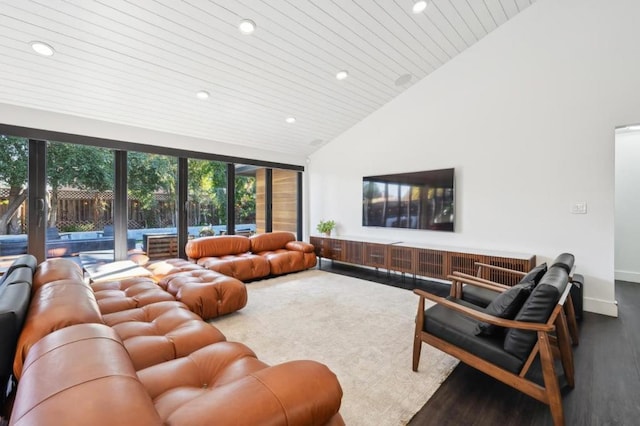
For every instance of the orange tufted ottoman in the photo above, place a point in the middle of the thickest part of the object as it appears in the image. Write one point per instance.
(207, 293)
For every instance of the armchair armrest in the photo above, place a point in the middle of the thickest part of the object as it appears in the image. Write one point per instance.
(300, 246)
(481, 316)
(477, 281)
(481, 265)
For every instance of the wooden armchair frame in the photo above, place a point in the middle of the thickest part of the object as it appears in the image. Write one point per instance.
(461, 277)
(546, 346)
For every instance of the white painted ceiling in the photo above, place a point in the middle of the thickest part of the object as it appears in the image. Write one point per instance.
(141, 62)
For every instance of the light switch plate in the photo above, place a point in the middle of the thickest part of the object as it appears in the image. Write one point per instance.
(579, 207)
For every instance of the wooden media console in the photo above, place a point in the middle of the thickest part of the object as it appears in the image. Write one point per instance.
(419, 259)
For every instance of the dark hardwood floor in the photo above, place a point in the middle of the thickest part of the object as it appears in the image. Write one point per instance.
(607, 369)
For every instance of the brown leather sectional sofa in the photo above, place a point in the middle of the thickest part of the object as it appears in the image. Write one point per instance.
(249, 258)
(126, 353)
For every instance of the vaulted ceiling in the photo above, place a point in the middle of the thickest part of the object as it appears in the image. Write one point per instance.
(141, 62)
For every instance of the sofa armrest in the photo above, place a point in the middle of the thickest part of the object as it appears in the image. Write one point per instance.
(300, 246)
(300, 393)
(226, 382)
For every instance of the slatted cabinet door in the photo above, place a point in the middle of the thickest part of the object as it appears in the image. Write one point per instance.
(401, 259)
(375, 255)
(431, 263)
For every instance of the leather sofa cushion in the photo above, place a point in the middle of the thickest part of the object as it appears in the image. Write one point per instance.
(459, 330)
(537, 308)
(207, 293)
(99, 385)
(161, 332)
(14, 301)
(300, 246)
(55, 305)
(115, 296)
(244, 267)
(56, 269)
(564, 260)
(227, 379)
(217, 246)
(270, 241)
(505, 305)
(163, 268)
(535, 275)
(24, 266)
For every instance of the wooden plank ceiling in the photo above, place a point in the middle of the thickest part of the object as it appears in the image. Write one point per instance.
(141, 62)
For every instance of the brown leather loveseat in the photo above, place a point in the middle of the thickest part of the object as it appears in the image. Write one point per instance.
(152, 362)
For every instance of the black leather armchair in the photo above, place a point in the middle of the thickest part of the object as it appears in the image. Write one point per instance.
(538, 329)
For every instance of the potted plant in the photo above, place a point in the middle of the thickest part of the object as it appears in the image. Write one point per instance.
(326, 226)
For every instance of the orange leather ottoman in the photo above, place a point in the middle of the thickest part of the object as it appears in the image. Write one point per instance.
(207, 293)
(161, 331)
(116, 296)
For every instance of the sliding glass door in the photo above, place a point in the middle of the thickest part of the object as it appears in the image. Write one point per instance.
(207, 198)
(152, 215)
(14, 192)
(80, 183)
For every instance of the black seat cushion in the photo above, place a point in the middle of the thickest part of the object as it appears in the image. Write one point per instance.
(458, 330)
(505, 305)
(537, 308)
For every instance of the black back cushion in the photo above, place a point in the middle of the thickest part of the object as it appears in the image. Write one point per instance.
(564, 260)
(537, 308)
(535, 275)
(504, 305)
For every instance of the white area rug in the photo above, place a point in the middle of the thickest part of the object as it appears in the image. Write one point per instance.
(363, 331)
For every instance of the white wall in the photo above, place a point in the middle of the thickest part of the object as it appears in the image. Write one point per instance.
(527, 118)
(45, 120)
(627, 206)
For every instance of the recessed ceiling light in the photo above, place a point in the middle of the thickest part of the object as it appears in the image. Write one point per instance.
(341, 75)
(290, 120)
(419, 6)
(203, 94)
(247, 26)
(42, 48)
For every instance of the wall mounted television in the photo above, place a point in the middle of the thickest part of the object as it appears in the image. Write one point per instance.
(416, 200)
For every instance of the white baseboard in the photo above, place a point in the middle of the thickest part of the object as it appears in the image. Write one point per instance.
(630, 276)
(599, 306)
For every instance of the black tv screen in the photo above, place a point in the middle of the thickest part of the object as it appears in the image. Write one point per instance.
(417, 200)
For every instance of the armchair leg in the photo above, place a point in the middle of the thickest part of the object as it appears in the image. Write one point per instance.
(417, 350)
(550, 379)
(417, 342)
(571, 320)
(566, 355)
